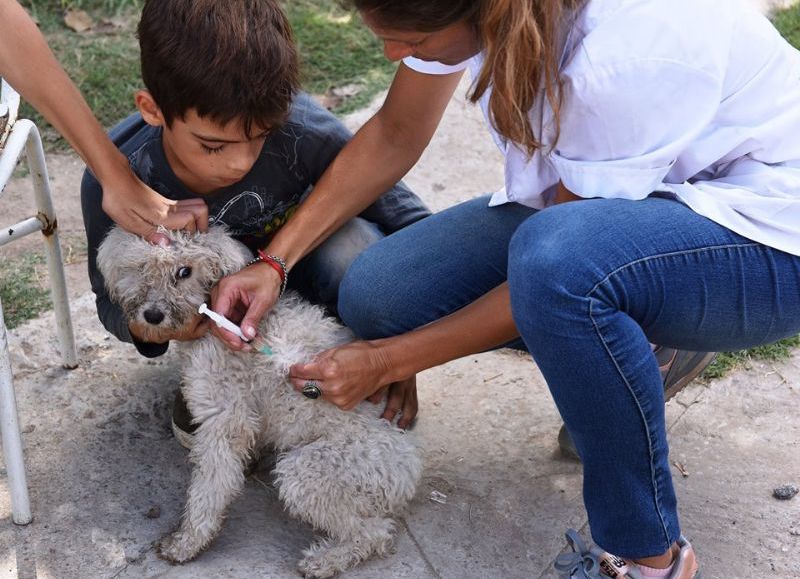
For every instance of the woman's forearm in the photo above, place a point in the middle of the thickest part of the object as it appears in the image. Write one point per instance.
(28, 65)
(484, 324)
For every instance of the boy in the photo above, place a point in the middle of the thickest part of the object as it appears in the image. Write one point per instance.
(221, 118)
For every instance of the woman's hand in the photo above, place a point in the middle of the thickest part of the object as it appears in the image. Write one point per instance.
(244, 298)
(346, 375)
(401, 400)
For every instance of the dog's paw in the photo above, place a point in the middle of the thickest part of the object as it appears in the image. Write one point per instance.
(316, 568)
(326, 558)
(177, 548)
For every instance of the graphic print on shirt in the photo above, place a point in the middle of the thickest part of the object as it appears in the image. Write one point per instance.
(253, 214)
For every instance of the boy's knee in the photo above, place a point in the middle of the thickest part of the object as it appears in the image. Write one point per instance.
(332, 259)
(359, 301)
(369, 303)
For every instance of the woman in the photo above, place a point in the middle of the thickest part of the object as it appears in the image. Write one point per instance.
(652, 195)
(30, 67)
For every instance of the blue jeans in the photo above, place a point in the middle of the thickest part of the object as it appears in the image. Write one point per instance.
(592, 283)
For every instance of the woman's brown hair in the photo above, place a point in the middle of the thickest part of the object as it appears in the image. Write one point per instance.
(520, 43)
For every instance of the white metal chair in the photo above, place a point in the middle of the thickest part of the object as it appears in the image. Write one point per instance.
(16, 137)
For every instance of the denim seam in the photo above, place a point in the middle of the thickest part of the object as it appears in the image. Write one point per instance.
(670, 254)
(588, 296)
(655, 487)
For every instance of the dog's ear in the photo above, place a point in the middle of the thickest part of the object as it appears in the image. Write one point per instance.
(117, 258)
(231, 254)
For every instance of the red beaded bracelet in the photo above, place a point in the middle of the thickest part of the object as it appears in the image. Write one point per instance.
(276, 263)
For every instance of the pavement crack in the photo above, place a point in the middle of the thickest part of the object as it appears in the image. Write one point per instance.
(422, 553)
(139, 560)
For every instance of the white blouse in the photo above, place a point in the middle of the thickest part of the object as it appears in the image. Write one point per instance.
(698, 99)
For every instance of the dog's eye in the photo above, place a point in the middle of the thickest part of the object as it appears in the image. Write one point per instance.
(184, 272)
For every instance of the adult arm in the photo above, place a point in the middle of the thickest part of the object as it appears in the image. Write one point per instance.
(350, 373)
(28, 65)
(321, 138)
(380, 153)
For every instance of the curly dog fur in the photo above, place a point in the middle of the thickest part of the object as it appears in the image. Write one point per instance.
(345, 473)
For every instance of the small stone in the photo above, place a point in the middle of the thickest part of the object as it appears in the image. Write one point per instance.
(785, 492)
(438, 497)
(153, 513)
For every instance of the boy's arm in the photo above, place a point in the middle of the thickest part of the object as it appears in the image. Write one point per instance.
(321, 136)
(27, 63)
(97, 224)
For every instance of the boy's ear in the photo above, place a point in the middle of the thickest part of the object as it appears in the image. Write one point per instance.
(148, 108)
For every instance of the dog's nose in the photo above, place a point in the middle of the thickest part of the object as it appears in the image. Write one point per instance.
(153, 316)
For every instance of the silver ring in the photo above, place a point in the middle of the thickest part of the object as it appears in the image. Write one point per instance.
(311, 390)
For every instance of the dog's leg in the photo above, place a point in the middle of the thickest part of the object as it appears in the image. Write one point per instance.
(342, 488)
(219, 453)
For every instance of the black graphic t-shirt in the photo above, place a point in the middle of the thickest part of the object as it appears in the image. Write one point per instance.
(293, 158)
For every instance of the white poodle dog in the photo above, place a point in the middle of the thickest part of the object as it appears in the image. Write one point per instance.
(345, 473)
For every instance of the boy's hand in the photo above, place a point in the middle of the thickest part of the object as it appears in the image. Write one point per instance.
(139, 209)
(245, 298)
(401, 400)
(149, 333)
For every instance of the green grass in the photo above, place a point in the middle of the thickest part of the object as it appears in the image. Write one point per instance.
(788, 22)
(21, 292)
(336, 49)
(46, 8)
(103, 62)
(727, 361)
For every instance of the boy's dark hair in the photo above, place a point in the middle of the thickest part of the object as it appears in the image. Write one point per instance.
(228, 59)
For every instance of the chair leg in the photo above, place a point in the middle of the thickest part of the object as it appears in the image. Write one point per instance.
(12, 439)
(25, 133)
(55, 263)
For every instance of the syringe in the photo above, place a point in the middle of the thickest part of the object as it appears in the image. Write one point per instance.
(224, 322)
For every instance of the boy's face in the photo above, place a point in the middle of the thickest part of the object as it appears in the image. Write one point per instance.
(205, 155)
